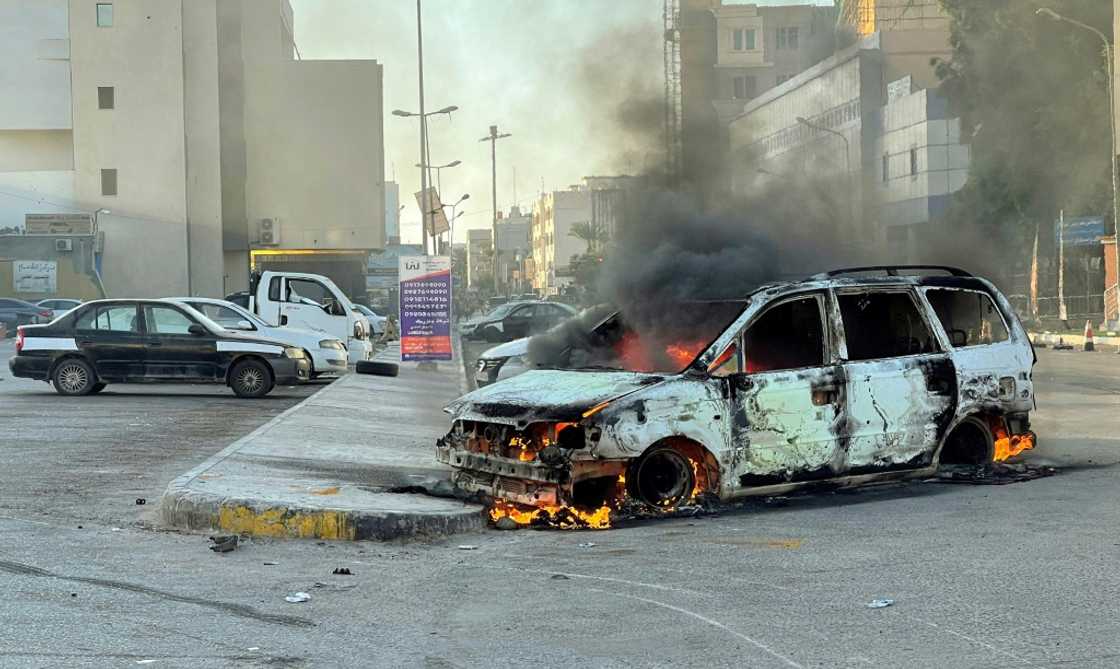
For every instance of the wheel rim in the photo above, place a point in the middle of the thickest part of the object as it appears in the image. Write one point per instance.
(251, 380)
(73, 378)
(664, 479)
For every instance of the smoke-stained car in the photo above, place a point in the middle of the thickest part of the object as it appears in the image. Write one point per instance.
(841, 379)
(131, 341)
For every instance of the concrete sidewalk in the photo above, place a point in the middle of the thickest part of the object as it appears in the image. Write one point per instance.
(324, 468)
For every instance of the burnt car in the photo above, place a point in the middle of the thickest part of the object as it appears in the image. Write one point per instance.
(841, 379)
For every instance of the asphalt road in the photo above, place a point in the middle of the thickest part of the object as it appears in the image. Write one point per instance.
(88, 459)
(981, 576)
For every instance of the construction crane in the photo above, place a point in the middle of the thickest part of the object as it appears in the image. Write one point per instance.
(673, 105)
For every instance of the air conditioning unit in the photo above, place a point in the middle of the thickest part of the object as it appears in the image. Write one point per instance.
(64, 245)
(268, 232)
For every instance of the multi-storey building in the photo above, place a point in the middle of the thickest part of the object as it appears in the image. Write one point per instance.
(195, 130)
(554, 214)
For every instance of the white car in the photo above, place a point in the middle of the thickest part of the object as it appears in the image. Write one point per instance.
(502, 362)
(328, 354)
(58, 305)
(376, 321)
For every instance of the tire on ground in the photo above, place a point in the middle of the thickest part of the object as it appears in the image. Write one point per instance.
(98, 387)
(970, 443)
(251, 378)
(663, 478)
(73, 376)
(377, 368)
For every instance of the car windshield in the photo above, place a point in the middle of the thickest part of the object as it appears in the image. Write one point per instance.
(663, 341)
(500, 311)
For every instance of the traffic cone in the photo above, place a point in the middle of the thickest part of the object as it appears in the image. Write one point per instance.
(1088, 336)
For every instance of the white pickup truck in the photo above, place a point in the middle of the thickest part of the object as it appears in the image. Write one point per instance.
(310, 302)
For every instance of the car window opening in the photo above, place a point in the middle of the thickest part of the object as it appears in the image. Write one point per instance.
(970, 318)
(883, 325)
(788, 336)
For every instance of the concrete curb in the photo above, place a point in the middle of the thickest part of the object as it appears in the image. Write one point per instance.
(348, 512)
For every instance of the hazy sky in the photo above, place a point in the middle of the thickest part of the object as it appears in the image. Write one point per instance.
(557, 74)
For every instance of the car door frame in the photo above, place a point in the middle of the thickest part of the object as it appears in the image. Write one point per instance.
(766, 406)
(509, 334)
(337, 325)
(889, 427)
(116, 355)
(190, 357)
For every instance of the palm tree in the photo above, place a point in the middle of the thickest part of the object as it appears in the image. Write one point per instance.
(592, 233)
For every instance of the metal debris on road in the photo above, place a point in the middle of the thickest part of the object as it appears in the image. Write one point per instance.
(468, 547)
(297, 598)
(224, 543)
(998, 473)
(559, 577)
(880, 603)
(506, 523)
(342, 571)
(140, 501)
(271, 564)
(587, 544)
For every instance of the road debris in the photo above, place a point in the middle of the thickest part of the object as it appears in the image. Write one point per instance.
(998, 473)
(334, 587)
(224, 543)
(506, 523)
(140, 501)
(559, 577)
(297, 598)
(468, 547)
(271, 564)
(587, 544)
(342, 571)
(880, 603)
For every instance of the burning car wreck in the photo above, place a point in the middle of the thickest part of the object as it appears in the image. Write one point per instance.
(846, 378)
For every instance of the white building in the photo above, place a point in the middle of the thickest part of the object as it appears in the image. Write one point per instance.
(554, 213)
(392, 213)
(192, 121)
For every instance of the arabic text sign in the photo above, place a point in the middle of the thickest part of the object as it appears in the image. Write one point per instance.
(425, 302)
(35, 276)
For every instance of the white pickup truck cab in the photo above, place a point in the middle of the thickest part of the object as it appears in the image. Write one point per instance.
(311, 302)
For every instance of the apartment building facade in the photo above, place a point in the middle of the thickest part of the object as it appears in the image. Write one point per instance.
(179, 121)
(554, 214)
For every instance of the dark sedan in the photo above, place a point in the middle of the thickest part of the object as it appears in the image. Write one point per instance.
(515, 320)
(14, 313)
(137, 341)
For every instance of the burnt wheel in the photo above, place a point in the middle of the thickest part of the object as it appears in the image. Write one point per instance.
(74, 376)
(251, 378)
(970, 443)
(663, 478)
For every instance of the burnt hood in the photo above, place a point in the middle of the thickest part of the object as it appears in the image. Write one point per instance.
(547, 394)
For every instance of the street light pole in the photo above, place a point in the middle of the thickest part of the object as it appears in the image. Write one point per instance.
(1108, 57)
(423, 127)
(493, 138)
(847, 164)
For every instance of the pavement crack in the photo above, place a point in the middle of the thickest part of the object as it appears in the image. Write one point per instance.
(241, 610)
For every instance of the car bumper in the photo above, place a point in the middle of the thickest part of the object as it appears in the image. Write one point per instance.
(30, 367)
(291, 371)
(329, 360)
(360, 349)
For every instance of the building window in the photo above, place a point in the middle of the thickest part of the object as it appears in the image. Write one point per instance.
(886, 168)
(742, 39)
(744, 87)
(787, 38)
(109, 182)
(104, 15)
(105, 97)
(913, 162)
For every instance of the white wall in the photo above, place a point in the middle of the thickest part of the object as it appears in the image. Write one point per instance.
(141, 56)
(34, 70)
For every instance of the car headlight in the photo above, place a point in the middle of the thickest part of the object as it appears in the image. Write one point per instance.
(332, 343)
(292, 352)
(486, 364)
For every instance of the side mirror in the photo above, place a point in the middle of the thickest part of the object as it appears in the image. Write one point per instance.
(244, 325)
(958, 337)
(196, 329)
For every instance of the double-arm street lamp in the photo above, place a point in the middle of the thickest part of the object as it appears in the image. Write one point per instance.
(438, 169)
(425, 176)
(847, 165)
(1108, 58)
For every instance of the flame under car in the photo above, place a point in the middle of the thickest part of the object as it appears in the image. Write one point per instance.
(842, 379)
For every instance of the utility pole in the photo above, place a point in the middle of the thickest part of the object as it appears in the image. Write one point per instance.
(493, 138)
(425, 216)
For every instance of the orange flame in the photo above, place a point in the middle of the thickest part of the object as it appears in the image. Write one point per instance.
(636, 356)
(1007, 446)
(564, 517)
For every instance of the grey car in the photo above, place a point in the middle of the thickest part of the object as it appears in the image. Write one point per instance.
(15, 312)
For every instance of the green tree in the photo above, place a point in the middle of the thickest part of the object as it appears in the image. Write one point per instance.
(1032, 95)
(592, 234)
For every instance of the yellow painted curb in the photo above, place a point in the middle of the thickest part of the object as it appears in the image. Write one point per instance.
(281, 522)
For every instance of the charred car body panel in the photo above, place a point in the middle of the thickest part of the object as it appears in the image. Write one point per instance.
(833, 379)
